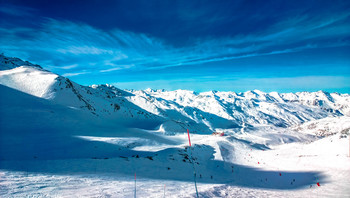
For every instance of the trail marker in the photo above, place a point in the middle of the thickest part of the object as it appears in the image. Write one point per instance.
(194, 170)
(189, 139)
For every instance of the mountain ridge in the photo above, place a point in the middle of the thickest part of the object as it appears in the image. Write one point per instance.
(203, 112)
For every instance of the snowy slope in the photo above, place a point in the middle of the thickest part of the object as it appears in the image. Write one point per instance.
(61, 139)
(22, 79)
(47, 149)
(36, 128)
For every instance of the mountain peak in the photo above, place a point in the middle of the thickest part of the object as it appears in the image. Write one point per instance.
(13, 62)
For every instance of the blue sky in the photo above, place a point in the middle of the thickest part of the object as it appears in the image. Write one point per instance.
(284, 46)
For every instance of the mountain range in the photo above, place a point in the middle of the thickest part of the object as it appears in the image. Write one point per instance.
(174, 111)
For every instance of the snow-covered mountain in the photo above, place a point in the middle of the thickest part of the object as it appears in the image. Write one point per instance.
(326, 127)
(230, 109)
(175, 111)
(59, 138)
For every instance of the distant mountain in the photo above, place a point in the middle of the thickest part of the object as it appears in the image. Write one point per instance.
(326, 127)
(230, 109)
(174, 111)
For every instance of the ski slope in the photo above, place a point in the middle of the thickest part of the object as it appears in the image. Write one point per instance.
(61, 139)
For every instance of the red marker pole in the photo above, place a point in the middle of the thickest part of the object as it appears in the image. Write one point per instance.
(194, 170)
(189, 139)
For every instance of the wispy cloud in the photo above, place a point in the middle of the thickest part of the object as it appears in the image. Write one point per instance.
(62, 67)
(74, 74)
(13, 10)
(69, 66)
(62, 43)
(117, 67)
(81, 50)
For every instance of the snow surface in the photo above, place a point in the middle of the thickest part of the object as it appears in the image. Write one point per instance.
(61, 139)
